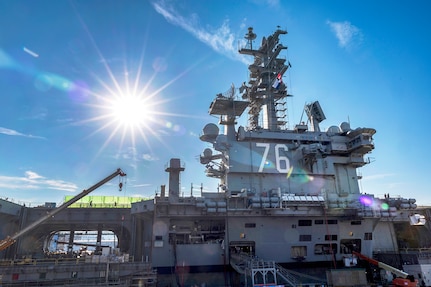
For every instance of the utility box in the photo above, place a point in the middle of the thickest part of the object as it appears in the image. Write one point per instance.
(346, 277)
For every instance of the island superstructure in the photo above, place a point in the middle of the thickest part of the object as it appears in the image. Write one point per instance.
(288, 195)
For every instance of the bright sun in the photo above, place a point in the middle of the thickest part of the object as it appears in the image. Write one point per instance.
(130, 110)
(126, 106)
(128, 116)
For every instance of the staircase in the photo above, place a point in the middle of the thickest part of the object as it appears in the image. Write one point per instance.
(269, 272)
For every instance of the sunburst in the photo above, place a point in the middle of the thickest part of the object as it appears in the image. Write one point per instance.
(130, 111)
(127, 107)
(127, 113)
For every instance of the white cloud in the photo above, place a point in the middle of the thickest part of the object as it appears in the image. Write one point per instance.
(32, 175)
(346, 33)
(221, 39)
(378, 176)
(32, 180)
(149, 157)
(10, 132)
(60, 185)
(141, 185)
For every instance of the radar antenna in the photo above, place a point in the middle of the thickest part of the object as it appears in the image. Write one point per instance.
(250, 36)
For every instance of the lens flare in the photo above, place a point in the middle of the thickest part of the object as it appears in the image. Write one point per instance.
(6, 61)
(289, 173)
(366, 200)
(299, 175)
(372, 202)
(79, 91)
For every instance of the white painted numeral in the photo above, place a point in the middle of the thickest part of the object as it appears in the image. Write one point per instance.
(264, 156)
(282, 163)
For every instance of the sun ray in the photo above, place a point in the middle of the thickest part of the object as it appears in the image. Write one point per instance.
(126, 107)
(96, 47)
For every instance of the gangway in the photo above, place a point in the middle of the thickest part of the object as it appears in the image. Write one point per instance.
(302, 278)
(267, 273)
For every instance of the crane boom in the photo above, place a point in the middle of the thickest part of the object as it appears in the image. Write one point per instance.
(382, 265)
(8, 241)
(402, 279)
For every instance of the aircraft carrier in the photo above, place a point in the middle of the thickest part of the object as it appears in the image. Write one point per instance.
(288, 207)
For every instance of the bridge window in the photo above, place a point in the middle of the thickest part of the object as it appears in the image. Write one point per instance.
(321, 221)
(242, 247)
(325, 249)
(331, 237)
(305, 237)
(250, 225)
(298, 252)
(304, 222)
(179, 238)
(368, 236)
(349, 245)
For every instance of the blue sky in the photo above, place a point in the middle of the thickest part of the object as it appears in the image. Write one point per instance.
(64, 65)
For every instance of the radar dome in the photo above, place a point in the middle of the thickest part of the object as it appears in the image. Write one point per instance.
(210, 133)
(345, 127)
(206, 156)
(208, 153)
(333, 130)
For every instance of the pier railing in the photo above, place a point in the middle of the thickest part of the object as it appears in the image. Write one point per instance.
(28, 272)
